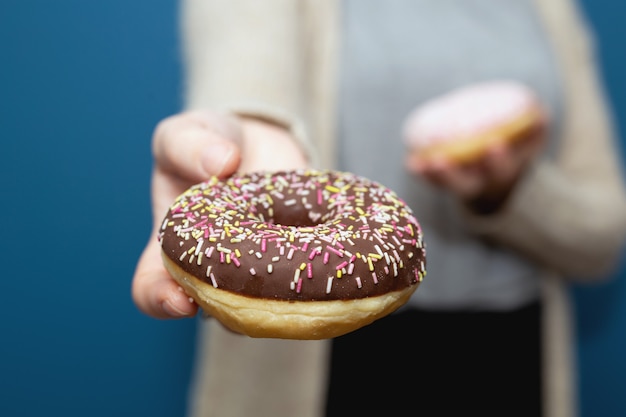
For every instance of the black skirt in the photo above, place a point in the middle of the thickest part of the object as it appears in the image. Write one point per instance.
(427, 363)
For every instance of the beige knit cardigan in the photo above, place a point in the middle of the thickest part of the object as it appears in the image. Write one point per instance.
(276, 59)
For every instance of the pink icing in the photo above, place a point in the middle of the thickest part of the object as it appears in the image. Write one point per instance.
(466, 111)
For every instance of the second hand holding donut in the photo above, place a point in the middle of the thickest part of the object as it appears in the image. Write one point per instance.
(476, 141)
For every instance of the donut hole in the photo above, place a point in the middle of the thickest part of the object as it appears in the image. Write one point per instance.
(297, 200)
(289, 213)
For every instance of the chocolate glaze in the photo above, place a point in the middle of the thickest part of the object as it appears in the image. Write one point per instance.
(295, 235)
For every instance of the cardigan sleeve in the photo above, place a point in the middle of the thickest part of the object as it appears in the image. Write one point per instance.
(245, 57)
(569, 212)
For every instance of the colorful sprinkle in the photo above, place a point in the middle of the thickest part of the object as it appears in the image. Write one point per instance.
(347, 218)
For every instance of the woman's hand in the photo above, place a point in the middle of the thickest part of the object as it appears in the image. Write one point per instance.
(188, 148)
(484, 184)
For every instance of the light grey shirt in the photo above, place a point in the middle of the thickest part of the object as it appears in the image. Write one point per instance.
(398, 53)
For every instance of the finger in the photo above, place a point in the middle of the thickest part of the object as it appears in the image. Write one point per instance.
(463, 180)
(197, 145)
(501, 165)
(269, 146)
(504, 163)
(154, 292)
(413, 163)
(531, 146)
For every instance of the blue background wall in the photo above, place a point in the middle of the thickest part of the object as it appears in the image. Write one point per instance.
(82, 85)
(601, 311)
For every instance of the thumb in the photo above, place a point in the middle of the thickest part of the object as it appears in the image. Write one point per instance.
(198, 144)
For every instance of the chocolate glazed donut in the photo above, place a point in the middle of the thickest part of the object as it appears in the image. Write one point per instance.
(300, 254)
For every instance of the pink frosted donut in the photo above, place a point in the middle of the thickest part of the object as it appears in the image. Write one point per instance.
(463, 123)
(301, 254)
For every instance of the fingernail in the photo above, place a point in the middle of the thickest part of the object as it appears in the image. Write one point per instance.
(172, 310)
(215, 158)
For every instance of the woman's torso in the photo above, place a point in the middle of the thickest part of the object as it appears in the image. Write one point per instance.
(398, 53)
